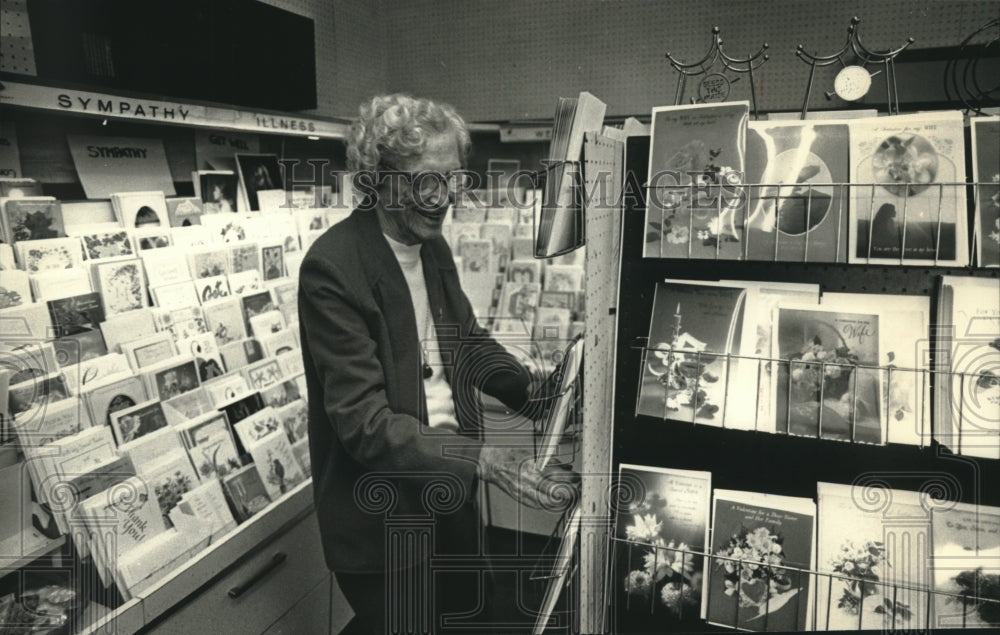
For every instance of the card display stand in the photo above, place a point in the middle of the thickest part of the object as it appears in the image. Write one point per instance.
(781, 464)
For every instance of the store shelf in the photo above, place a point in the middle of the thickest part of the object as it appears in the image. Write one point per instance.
(186, 583)
(34, 547)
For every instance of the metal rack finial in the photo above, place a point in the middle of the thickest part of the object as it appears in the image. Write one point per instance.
(705, 64)
(961, 74)
(867, 56)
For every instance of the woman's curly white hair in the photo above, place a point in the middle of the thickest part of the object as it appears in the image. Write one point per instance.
(394, 128)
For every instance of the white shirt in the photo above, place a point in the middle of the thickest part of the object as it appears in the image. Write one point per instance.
(437, 391)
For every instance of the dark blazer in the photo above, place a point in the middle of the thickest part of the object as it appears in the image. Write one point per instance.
(373, 456)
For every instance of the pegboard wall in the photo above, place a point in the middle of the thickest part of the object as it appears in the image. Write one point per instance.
(512, 60)
(16, 52)
(602, 172)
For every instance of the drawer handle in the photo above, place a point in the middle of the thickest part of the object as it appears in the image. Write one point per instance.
(276, 560)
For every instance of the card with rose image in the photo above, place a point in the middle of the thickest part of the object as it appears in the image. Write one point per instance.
(828, 383)
(660, 534)
(873, 540)
(800, 212)
(986, 174)
(908, 203)
(696, 158)
(760, 542)
(965, 548)
(685, 374)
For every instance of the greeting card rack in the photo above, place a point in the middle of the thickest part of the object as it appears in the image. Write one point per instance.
(642, 597)
(781, 464)
(917, 384)
(716, 86)
(863, 54)
(757, 206)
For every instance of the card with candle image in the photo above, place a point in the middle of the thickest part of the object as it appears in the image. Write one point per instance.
(685, 372)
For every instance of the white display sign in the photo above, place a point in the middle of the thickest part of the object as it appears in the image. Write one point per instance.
(142, 109)
(120, 164)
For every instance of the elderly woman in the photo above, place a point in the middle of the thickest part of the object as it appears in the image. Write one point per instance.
(394, 360)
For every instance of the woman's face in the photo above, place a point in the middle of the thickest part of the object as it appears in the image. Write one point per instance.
(419, 212)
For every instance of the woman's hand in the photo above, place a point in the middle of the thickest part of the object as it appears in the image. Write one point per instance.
(513, 470)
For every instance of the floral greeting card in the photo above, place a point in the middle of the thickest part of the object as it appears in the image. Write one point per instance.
(830, 386)
(696, 163)
(686, 368)
(661, 535)
(760, 543)
(873, 539)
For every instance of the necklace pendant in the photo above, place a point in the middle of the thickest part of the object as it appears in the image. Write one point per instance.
(428, 371)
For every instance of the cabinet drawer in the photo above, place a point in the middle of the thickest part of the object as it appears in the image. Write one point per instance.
(266, 586)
